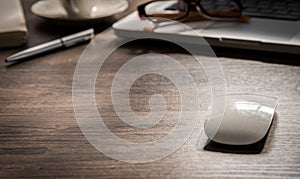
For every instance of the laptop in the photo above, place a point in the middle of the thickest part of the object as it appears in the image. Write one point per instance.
(274, 26)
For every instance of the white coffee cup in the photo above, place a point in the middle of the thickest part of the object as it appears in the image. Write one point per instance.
(79, 8)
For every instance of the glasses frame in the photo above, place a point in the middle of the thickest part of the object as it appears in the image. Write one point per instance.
(197, 3)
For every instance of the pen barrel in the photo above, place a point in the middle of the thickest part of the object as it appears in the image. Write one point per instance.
(67, 41)
(37, 50)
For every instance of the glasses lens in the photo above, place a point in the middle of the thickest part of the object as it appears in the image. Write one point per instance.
(221, 8)
(171, 9)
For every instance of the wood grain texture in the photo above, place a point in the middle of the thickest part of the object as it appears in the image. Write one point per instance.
(40, 138)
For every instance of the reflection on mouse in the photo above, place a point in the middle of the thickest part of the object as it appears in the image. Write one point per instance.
(246, 120)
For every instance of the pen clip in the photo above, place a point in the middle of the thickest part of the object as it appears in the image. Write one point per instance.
(78, 38)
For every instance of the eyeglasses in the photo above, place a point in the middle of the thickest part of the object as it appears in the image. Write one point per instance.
(191, 10)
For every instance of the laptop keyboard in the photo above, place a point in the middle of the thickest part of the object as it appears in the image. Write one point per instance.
(275, 9)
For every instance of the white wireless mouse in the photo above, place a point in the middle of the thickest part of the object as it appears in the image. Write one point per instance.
(246, 120)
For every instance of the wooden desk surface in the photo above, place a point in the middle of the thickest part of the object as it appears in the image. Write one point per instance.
(39, 135)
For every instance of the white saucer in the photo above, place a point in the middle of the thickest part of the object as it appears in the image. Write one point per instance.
(52, 9)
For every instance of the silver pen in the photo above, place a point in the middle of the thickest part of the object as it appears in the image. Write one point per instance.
(64, 42)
